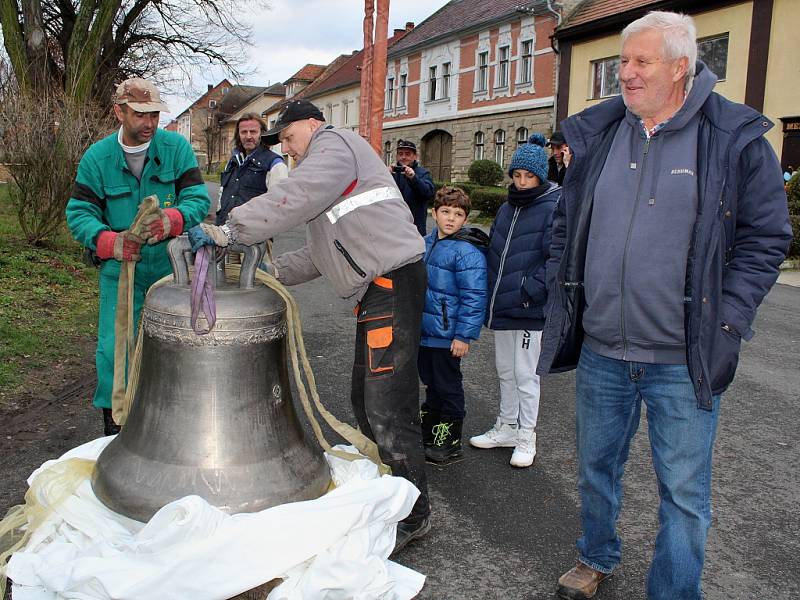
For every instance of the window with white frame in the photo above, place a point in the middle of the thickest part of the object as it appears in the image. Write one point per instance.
(445, 80)
(522, 136)
(387, 153)
(403, 90)
(605, 77)
(482, 74)
(345, 112)
(479, 144)
(714, 52)
(499, 146)
(502, 67)
(525, 61)
(432, 83)
(389, 93)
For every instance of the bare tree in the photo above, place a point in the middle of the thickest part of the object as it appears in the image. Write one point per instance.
(42, 138)
(213, 138)
(85, 46)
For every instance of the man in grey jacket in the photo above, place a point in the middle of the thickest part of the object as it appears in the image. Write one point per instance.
(671, 229)
(361, 237)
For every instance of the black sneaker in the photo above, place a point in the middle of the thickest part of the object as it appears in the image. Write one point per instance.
(446, 447)
(408, 532)
(444, 455)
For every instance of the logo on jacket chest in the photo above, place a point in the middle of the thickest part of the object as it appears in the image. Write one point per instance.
(683, 171)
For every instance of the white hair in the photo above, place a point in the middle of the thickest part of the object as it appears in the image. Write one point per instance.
(678, 32)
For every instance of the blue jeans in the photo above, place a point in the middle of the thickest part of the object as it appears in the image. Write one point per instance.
(609, 396)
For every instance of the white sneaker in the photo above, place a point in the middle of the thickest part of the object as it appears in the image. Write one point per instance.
(525, 450)
(501, 435)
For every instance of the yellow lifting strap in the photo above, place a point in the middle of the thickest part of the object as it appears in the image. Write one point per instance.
(123, 323)
(48, 491)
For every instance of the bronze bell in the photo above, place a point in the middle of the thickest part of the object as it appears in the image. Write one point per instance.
(212, 414)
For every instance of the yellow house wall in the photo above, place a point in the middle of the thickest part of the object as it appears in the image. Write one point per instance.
(736, 20)
(782, 94)
(580, 71)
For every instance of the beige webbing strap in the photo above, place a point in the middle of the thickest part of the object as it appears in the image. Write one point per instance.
(124, 317)
(123, 335)
(135, 363)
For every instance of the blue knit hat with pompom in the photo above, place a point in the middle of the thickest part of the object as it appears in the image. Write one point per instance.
(531, 157)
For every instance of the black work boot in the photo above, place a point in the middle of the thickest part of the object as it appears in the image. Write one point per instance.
(409, 530)
(446, 446)
(429, 418)
(109, 426)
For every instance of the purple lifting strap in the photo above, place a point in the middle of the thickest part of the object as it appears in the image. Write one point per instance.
(203, 286)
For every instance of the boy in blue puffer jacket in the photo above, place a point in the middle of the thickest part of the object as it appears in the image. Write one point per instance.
(518, 251)
(455, 307)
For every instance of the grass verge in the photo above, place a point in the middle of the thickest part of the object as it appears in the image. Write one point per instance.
(213, 176)
(48, 308)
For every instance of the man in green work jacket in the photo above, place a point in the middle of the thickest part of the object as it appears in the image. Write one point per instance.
(114, 176)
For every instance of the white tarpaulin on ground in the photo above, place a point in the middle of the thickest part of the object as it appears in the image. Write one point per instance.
(334, 547)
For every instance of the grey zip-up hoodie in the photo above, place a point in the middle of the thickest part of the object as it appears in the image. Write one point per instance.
(645, 208)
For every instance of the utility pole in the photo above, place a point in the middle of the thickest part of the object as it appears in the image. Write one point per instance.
(373, 72)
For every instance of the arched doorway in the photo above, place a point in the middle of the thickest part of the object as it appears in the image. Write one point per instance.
(437, 154)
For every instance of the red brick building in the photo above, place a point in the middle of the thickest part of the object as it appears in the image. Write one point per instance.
(198, 122)
(473, 80)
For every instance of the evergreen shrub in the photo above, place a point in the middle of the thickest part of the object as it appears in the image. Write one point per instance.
(485, 172)
(793, 195)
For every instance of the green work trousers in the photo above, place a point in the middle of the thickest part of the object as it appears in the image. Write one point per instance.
(147, 273)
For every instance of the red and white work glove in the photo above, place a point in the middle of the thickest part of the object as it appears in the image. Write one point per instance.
(122, 246)
(162, 224)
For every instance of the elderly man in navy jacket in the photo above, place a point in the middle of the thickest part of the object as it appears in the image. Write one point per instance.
(671, 229)
(415, 183)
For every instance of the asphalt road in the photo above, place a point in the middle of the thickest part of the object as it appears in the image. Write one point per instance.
(505, 533)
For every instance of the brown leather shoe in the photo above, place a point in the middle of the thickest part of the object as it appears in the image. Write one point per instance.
(580, 582)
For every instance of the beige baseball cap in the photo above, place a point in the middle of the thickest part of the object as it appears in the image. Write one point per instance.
(140, 95)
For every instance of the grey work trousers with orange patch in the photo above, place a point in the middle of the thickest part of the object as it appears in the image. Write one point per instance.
(385, 386)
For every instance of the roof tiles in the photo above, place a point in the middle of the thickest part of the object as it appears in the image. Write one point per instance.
(594, 10)
(457, 15)
(308, 73)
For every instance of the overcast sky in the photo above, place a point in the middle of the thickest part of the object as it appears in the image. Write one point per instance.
(292, 33)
